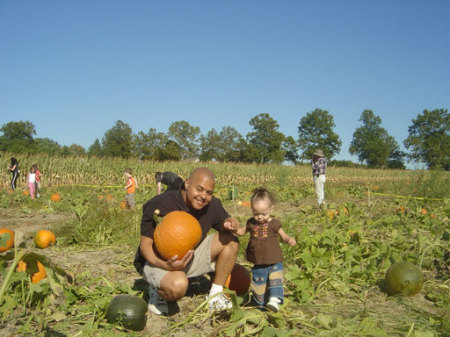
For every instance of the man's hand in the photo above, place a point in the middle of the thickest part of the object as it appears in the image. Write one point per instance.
(175, 264)
(232, 225)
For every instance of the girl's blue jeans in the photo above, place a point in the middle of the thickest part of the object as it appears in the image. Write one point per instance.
(267, 281)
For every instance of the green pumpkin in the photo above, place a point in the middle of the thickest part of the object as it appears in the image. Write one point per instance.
(128, 310)
(403, 278)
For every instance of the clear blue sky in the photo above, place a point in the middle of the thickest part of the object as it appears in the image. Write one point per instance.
(73, 68)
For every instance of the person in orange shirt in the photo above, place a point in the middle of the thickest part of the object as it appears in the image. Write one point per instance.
(130, 187)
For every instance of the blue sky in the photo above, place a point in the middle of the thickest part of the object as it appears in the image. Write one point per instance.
(73, 68)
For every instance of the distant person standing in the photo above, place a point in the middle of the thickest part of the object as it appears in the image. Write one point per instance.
(170, 179)
(38, 181)
(319, 166)
(131, 186)
(31, 179)
(14, 169)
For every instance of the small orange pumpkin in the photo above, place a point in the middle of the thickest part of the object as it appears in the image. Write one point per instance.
(21, 266)
(55, 197)
(123, 204)
(238, 280)
(246, 203)
(26, 192)
(178, 233)
(44, 238)
(329, 213)
(424, 211)
(9, 234)
(37, 276)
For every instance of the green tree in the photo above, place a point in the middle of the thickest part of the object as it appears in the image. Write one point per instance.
(95, 149)
(187, 137)
(315, 131)
(290, 148)
(264, 143)
(429, 139)
(46, 145)
(170, 151)
(232, 144)
(73, 150)
(210, 147)
(224, 146)
(371, 142)
(17, 137)
(117, 141)
(149, 145)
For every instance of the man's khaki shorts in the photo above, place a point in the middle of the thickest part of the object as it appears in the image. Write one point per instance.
(200, 264)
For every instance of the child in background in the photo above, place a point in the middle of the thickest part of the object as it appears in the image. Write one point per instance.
(38, 180)
(264, 251)
(31, 179)
(130, 187)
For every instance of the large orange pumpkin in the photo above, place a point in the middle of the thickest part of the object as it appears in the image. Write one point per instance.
(178, 233)
(238, 280)
(37, 276)
(44, 238)
(9, 234)
(55, 197)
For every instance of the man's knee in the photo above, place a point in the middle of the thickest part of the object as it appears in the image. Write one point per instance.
(174, 286)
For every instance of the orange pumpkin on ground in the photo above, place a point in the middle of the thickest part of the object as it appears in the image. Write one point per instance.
(55, 197)
(37, 276)
(424, 211)
(26, 192)
(21, 267)
(177, 233)
(123, 204)
(238, 280)
(44, 238)
(41, 274)
(9, 234)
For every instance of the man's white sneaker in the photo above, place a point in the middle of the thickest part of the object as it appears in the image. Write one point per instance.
(218, 303)
(156, 303)
(273, 304)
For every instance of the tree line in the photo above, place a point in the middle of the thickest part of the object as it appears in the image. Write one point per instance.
(428, 141)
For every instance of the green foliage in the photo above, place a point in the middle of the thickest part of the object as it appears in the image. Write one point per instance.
(315, 131)
(429, 138)
(225, 146)
(186, 136)
(117, 141)
(17, 136)
(265, 141)
(373, 144)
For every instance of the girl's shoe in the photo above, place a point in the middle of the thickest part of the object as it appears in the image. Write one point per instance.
(273, 304)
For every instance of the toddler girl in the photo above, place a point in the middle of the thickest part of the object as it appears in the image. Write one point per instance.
(264, 251)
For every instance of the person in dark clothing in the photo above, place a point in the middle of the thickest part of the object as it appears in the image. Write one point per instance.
(170, 179)
(14, 169)
(168, 280)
